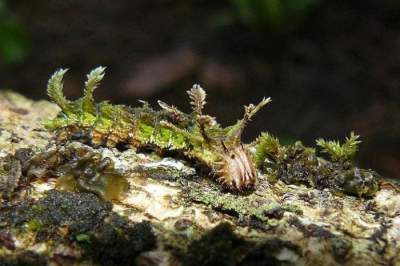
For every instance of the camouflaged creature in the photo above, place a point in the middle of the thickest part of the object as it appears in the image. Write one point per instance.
(195, 135)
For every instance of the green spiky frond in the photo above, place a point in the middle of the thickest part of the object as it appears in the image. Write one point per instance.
(340, 152)
(55, 91)
(173, 112)
(234, 132)
(251, 109)
(87, 104)
(266, 144)
(93, 80)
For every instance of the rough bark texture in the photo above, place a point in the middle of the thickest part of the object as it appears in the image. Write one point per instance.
(171, 214)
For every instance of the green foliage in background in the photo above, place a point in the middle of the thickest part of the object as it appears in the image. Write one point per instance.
(13, 41)
(272, 14)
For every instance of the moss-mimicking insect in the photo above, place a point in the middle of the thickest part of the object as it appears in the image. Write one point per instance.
(195, 135)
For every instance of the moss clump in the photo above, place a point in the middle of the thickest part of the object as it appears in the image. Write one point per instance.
(297, 164)
(340, 152)
(34, 225)
(104, 236)
(78, 212)
(267, 145)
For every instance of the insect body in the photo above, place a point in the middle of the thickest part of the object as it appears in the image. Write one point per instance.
(195, 135)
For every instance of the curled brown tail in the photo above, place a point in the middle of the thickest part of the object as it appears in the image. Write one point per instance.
(236, 169)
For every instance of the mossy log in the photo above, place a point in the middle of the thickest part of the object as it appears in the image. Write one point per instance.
(170, 212)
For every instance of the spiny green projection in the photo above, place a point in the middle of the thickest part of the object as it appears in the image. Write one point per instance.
(266, 145)
(340, 152)
(195, 135)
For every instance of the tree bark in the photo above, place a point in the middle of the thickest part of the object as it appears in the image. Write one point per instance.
(171, 213)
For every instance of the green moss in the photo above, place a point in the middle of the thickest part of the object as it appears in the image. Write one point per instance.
(80, 213)
(104, 121)
(104, 236)
(55, 91)
(34, 225)
(297, 164)
(248, 207)
(167, 138)
(292, 208)
(144, 132)
(37, 208)
(266, 145)
(340, 152)
(83, 238)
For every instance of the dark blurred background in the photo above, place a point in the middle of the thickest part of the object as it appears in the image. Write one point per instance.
(330, 66)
